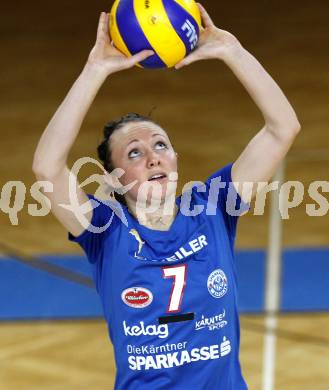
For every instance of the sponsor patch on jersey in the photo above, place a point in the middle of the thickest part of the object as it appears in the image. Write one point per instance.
(137, 297)
(215, 322)
(146, 330)
(150, 357)
(217, 283)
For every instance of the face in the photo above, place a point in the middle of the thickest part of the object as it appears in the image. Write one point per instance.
(143, 150)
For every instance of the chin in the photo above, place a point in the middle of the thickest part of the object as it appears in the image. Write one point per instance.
(156, 193)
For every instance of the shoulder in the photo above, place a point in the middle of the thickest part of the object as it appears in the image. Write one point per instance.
(106, 217)
(216, 185)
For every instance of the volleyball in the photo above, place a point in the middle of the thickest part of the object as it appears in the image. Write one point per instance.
(168, 27)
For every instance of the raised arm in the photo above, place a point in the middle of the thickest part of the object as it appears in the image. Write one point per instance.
(50, 158)
(261, 157)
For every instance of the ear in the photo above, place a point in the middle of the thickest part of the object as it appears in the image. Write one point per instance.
(111, 180)
(113, 184)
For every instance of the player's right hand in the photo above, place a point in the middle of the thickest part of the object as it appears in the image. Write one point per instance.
(105, 57)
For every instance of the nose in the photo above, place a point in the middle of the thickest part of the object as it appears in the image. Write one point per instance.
(152, 160)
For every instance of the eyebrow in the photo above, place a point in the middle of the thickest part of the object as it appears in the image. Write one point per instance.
(153, 135)
(134, 140)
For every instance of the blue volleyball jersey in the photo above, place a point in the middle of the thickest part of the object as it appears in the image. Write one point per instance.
(170, 297)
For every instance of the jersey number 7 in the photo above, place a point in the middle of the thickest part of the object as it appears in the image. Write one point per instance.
(178, 273)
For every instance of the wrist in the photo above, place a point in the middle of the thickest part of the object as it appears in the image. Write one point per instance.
(232, 52)
(226, 44)
(95, 72)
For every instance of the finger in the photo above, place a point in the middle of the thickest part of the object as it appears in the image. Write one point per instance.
(100, 25)
(102, 30)
(108, 22)
(187, 61)
(206, 19)
(142, 55)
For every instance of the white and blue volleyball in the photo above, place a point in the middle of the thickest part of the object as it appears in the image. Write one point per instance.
(168, 27)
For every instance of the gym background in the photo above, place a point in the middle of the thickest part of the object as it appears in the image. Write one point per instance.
(51, 331)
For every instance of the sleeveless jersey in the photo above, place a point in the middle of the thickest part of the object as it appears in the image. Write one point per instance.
(170, 297)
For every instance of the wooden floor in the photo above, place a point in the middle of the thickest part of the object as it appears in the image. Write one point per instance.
(75, 355)
(210, 119)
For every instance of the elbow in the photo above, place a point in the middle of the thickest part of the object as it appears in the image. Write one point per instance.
(291, 127)
(290, 132)
(294, 125)
(42, 171)
(36, 168)
(287, 132)
(39, 167)
(295, 128)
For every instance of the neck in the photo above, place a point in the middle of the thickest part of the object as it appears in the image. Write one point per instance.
(160, 219)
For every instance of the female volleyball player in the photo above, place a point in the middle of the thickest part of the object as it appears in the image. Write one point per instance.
(166, 276)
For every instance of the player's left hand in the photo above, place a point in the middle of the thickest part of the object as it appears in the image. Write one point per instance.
(213, 42)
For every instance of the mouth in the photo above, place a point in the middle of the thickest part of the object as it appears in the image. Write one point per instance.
(158, 177)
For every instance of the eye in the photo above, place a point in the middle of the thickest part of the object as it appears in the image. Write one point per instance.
(160, 145)
(134, 153)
